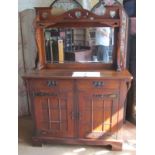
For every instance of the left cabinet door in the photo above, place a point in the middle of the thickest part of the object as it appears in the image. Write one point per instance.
(52, 110)
(53, 116)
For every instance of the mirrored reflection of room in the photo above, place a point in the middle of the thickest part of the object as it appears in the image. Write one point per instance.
(79, 45)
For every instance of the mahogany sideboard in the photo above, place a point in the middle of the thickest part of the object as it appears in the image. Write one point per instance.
(79, 102)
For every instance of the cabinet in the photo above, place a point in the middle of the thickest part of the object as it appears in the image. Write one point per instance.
(78, 110)
(79, 101)
(97, 108)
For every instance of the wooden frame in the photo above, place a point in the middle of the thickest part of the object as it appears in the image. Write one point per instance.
(44, 19)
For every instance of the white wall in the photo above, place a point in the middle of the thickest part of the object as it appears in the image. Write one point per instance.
(29, 4)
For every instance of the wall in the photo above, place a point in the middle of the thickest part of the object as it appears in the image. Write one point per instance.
(29, 4)
(27, 53)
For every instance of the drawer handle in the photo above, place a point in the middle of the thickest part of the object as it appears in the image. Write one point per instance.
(98, 84)
(51, 83)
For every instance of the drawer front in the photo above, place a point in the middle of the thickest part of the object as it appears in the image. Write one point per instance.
(51, 84)
(97, 84)
(99, 95)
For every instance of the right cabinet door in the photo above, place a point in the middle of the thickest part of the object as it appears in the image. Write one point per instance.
(98, 112)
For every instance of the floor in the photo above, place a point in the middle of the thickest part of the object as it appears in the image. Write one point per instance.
(25, 147)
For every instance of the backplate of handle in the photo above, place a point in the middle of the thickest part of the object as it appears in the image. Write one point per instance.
(51, 83)
(98, 84)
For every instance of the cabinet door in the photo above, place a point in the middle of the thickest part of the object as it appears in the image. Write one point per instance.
(97, 113)
(53, 114)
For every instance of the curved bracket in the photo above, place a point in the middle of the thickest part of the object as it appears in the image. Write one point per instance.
(128, 85)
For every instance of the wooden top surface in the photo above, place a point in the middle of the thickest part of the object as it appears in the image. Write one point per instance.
(78, 74)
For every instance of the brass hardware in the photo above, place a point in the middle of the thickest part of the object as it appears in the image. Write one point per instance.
(51, 83)
(98, 84)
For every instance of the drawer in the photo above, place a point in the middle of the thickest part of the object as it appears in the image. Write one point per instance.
(97, 84)
(50, 84)
(99, 93)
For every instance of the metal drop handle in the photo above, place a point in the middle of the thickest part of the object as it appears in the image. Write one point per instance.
(51, 83)
(98, 83)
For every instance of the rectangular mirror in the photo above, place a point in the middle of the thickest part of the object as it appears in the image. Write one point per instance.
(79, 45)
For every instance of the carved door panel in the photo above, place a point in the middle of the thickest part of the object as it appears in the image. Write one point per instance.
(53, 114)
(97, 114)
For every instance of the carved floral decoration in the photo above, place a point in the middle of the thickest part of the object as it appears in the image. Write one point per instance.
(123, 40)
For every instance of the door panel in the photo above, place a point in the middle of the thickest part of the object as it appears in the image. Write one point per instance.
(53, 115)
(98, 115)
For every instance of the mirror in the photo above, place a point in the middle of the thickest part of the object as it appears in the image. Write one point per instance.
(79, 45)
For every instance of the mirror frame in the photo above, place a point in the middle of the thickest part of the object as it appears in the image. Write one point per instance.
(45, 19)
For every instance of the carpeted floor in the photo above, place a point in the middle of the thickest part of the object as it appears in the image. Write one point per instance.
(25, 147)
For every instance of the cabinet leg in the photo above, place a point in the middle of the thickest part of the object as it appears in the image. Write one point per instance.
(116, 147)
(36, 142)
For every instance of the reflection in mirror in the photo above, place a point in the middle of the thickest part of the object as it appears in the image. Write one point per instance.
(79, 45)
